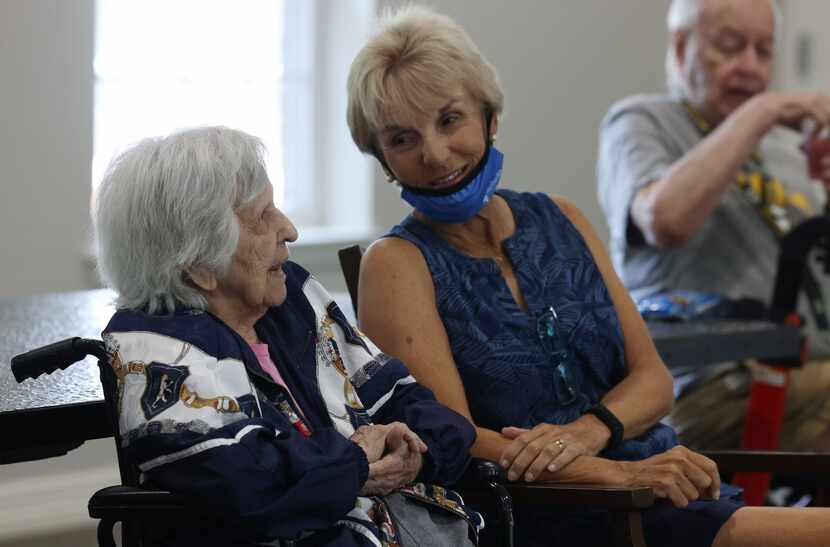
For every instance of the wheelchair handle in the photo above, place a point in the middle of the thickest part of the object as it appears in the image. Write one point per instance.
(48, 359)
(486, 470)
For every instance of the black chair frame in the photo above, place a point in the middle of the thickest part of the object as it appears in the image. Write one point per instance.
(137, 508)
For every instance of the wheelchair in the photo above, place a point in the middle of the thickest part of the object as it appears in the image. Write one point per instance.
(144, 512)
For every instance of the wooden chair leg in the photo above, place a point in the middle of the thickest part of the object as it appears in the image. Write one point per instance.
(626, 529)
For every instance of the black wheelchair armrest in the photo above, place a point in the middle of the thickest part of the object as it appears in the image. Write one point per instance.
(124, 502)
(128, 504)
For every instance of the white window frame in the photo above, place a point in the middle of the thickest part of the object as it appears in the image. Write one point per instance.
(343, 177)
(340, 207)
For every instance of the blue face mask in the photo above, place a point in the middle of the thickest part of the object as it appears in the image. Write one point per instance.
(462, 201)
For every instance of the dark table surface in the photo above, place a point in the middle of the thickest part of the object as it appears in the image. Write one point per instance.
(53, 414)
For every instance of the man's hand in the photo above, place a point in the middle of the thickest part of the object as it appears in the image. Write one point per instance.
(793, 110)
(789, 109)
(678, 474)
(550, 447)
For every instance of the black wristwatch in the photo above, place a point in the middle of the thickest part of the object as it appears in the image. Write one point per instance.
(611, 422)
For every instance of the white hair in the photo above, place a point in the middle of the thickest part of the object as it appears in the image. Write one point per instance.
(683, 15)
(168, 203)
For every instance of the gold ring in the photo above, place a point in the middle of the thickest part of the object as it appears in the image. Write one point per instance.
(560, 444)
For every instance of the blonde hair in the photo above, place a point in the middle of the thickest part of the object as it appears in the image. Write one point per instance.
(415, 61)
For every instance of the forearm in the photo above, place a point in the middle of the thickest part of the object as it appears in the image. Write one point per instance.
(643, 398)
(259, 478)
(672, 209)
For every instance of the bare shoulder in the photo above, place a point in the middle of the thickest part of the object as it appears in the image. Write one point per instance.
(563, 202)
(396, 256)
(391, 249)
(394, 276)
(574, 214)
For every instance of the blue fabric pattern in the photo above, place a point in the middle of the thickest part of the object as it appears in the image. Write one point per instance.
(495, 343)
(509, 377)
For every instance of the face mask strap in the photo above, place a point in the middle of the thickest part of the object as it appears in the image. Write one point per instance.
(386, 170)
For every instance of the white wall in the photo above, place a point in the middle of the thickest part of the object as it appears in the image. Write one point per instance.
(562, 63)
(804, 57)
(45, 144)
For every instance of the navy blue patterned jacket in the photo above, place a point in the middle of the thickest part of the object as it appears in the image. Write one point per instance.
(200, 417)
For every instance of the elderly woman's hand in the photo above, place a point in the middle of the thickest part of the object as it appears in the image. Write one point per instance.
(395, 469)
(377, 440)
(400, 434)
(394, 453)
(549, 447)
(679, 474)
(372, 439)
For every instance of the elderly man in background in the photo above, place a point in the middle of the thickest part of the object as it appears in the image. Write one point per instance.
(695, 200)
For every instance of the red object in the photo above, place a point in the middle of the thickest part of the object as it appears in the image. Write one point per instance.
(762, 425)
(764, 416)
(817, 148)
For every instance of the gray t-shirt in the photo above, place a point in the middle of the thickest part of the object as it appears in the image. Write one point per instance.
(735, 253)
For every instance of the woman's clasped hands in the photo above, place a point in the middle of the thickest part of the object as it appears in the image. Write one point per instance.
(549, 447)
(394, 455)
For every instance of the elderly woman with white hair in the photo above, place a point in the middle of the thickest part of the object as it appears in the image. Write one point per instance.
(506, 305)
(240, 382)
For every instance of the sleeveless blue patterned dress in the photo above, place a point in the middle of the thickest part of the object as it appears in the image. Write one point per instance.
(508, 371)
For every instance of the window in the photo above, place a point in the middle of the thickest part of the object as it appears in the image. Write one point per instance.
(267, 67)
